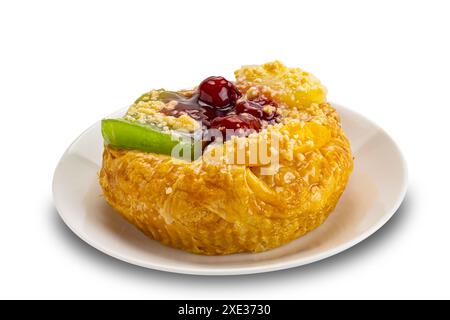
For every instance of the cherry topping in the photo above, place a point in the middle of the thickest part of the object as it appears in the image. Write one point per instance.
(258, 109)
(244, 123)
(263, 101)
(271, 115)
(217, 105)
(252, 122)
(218, 92)
(249, 107)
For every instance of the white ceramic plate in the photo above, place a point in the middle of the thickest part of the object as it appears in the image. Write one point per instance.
(375, 191)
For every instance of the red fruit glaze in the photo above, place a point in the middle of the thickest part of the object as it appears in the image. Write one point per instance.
(250, 108)
(262, 102)
(236, 122)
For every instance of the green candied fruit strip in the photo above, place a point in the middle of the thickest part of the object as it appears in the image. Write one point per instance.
(123, 134)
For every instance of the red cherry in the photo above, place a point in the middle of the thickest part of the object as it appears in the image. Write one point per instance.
(229, 122)
(218, 92)
(262, 102)
(252, 122)
(243, 122)
(250, 108)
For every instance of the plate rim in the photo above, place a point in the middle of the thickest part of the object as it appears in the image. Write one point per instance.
(227, 271)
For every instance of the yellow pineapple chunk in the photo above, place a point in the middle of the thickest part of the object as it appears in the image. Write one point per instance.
(291, 86)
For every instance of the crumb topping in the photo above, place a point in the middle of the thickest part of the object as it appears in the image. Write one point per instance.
(149, 112)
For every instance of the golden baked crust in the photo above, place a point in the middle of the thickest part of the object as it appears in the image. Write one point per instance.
(218, 208)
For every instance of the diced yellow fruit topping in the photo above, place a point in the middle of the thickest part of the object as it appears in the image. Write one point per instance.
(292, 86)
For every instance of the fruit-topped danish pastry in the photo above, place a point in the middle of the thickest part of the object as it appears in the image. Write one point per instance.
(229, 166)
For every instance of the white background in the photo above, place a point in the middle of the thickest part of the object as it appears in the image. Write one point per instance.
(66, 64)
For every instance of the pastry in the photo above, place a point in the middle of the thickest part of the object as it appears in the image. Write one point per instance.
(228, 167)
